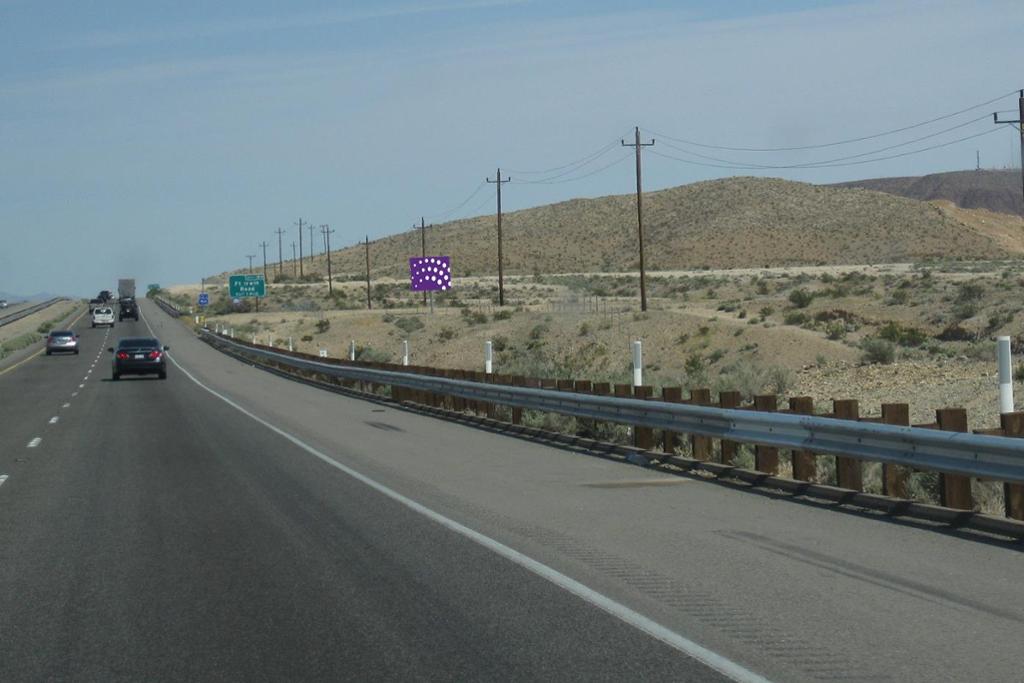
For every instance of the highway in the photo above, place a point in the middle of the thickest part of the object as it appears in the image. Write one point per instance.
(228, 524)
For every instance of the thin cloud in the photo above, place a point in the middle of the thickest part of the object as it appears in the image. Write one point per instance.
(115, 39)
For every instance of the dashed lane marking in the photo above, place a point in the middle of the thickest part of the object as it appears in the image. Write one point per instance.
(53, 420)
(35, 442)
(66, 405)
(74, 393)
(3, 478)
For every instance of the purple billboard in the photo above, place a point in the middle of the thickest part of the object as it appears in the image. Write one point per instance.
(430, 273)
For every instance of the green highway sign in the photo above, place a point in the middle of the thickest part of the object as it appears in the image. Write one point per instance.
(247, 286)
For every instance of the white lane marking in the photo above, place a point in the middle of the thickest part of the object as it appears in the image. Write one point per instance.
(66, 405)
(3, 478)
(81, 386)
(35, 442)
(712, 659)
(53, 420)
(74, 393)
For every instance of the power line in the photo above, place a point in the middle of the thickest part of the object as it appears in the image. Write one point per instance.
(837, 142)
(825, 162)
(755, 167)
(579, 162)
(445, 214)
(572, 180)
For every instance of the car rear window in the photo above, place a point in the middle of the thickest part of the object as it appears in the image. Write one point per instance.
(138, 343)
(62, 333)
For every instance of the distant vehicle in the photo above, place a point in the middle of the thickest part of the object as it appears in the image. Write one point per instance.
(103, 316)
(126, 288)
(61, 341)
(127, 308)
(105, 295)
(3, 303)
(94, 304)
(139, 356)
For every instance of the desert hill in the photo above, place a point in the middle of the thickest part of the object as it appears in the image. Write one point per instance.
(998, 191)
(729, 223)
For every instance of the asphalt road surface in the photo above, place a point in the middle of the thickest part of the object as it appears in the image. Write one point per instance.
(227, 524)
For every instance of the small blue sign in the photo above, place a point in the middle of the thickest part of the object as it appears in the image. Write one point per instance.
(204, 299)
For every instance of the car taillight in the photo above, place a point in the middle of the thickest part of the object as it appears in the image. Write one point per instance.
(122, 355)
(154, 355)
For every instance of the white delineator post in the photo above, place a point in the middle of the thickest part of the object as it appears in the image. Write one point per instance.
(638, 363)
(405, 352)
(1005, 375)
(290, 344)
(352, 350)
(488, 357)
(231, 333)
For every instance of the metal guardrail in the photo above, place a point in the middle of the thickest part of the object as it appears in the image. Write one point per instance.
(26, 312)
(169, 308)
(974, 455)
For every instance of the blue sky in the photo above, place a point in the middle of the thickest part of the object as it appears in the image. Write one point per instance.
(164, 140)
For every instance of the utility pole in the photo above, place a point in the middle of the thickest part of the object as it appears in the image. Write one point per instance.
(422, 227)
(251, 257)
(280, 256)
(1020, 125)
(501, 266)
(300, 248)
(312, 249)
(294, 261)
(326, 230)
(640, 214)
(369, 304)
(264, 244)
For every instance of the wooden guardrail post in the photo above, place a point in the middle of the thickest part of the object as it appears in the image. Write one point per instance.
(894, 477)
(643, 437)
(849, 473)
(954, 489)
(600, 389)
(1013, 494)
(701, 445)
(584, 425)
(517, 413)
(805, 463)
(669, 440)
(766, 458)
(625, 391)
(731, 400)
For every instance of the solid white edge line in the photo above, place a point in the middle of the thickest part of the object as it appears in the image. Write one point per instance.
(715, 661)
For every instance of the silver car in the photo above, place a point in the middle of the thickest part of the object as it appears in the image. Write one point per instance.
(61, 341)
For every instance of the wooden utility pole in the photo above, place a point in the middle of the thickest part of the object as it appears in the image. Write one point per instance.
(326, 231)
(250, 257)
(1020, 124)
(369, 303)
(294, 262)
(640, 213)
(422, 227)
(312, 249)
(263, 244)
(300, 248)
(501, 266)
(280, 256)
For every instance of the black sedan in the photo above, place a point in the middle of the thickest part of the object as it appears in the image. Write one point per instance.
(139, 356)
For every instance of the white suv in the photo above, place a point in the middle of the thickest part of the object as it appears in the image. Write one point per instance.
(103, 316)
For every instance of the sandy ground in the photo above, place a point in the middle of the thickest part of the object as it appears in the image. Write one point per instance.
(32, 322)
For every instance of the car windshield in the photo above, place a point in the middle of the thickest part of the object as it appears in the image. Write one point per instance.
(139, 343)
